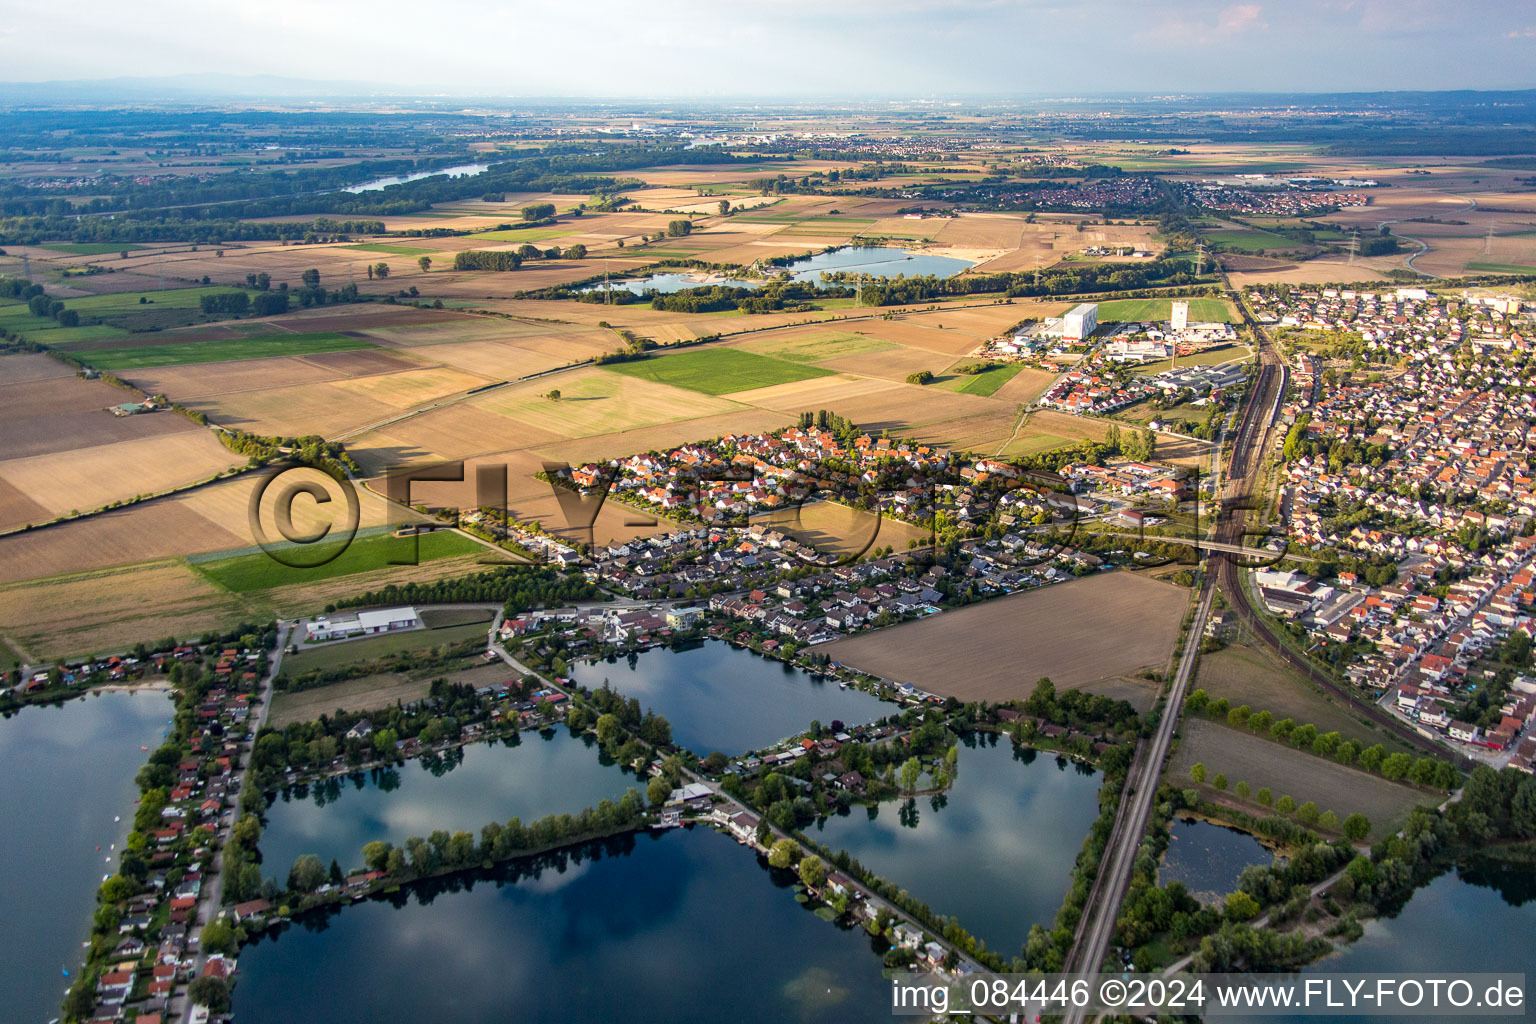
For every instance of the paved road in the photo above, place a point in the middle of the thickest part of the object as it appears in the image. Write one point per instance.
(211, 898)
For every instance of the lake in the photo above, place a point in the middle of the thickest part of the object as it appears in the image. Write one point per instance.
(1477, 917)
(68, 772)
(1208, 858)
(995, 851)
(458, 171)
(875, 261)
(719, 697)
(462, 789)
(681, 926)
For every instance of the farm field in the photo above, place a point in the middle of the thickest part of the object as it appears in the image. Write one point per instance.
(1245, 675)
(84, 479)
(111, 610)
(176, 354)
(1075, 633)
(594, 401)
(1240, 756)
(817, 345)
(717, 371)
(259, 571)
(987, 382)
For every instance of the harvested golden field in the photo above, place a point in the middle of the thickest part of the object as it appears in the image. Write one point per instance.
(595, 401)
(181, 383)
(88, 478)
(292, 411)
(930, 334)
(1076, 633)
(819, 345)
(839, 530)
(416, 387)
(111, 610)
(156, 529)
(452, 432)
(1243, 757)
(1025, 386)
(1045, 429)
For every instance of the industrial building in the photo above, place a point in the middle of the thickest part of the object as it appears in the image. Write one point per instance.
(1080, 322)
(384, 620)
(1179, 318)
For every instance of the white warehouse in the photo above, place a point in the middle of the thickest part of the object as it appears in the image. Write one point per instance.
(385, 620)
(1080, 321)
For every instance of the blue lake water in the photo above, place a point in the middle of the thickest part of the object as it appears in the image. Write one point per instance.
(458, 171)
(676, 927)
(68, 772)
(875, 261)
(1209, 858)
(1478, 917)
(464, 789)
(995, 851)
(719, 697)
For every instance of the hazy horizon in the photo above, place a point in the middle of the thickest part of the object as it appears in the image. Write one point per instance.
(902, 49)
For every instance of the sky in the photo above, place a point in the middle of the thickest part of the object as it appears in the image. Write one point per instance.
(687, 48)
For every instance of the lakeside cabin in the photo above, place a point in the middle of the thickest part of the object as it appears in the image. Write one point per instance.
(382, 620)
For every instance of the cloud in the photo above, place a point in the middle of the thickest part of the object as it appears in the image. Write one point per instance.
(1521, 33)
(1230, 23)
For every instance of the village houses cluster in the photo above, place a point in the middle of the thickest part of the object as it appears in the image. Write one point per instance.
(1423, 464)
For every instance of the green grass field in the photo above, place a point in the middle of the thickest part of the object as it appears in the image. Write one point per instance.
(523, 234)
(988, 381)
(391, 250)
(819, 346)
(1249, 241)
(718, 371)
(178, 354)
(1200, 310)
(90, 248)
(1500, 268)
(125, 302)
(352, 652)
(260, 571)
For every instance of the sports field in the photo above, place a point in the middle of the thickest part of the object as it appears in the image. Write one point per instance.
(718, 371)
(1200, 310)
(260, 571)
(178, 354)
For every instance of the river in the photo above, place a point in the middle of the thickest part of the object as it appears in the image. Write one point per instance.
(719, 697)
(995, 851)
(682, 926)
(457, 171)
(462, 789)
(68, 772)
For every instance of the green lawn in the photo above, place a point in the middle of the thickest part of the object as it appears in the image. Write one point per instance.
(524, 234)
(718, 371)
(392, 250)
(90, 248)
(988, 381)
(1249, 241)
(180, 353)
(365, 649)
(260, 571)
(1200, 310)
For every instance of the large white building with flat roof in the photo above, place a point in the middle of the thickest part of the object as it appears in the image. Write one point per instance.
(381, 620)
(1080, 321)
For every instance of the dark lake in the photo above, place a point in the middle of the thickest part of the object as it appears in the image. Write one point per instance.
(1208, 858)
(68, 772)
(675, 927)
(994, 851)
(719, 697)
